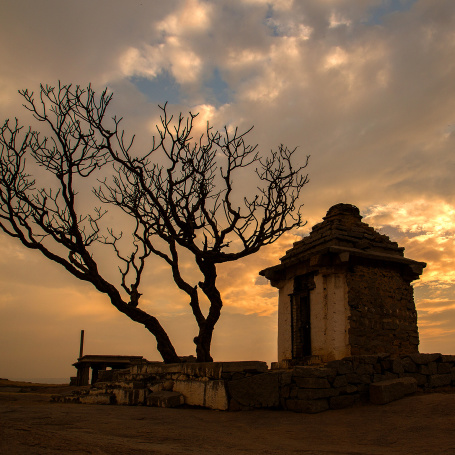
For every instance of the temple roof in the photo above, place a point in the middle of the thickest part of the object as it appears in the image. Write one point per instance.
(343, 227)
(343, 234)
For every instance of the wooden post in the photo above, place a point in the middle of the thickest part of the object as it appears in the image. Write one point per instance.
(81, 349)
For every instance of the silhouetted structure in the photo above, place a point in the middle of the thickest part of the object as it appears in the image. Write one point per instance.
(345, 290)
(100, 362)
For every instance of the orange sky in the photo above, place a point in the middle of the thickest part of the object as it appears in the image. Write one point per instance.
(366, 88)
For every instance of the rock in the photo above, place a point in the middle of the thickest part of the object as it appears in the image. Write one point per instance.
(439, 380)
(408, 365)
(209, 394)
(386, 391)
(312, 383)
(313, 394)
(165, 399)
(340, 381)
(130, 397)
(444, 368)
(193, 391)
(423, 359)
(216, 396)
(261, 390)
(314, 372)
(105, 398)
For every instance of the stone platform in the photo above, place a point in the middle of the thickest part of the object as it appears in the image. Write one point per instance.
(251, 385)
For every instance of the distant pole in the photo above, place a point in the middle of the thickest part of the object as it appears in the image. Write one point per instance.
(81, 349)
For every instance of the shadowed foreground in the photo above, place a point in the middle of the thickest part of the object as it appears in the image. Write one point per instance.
(30, 424)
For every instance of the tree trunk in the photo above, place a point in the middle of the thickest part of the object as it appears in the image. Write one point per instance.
(163, 343)
(204, 339)
(203, 342)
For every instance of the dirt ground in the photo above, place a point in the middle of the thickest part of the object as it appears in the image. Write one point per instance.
(30, 424)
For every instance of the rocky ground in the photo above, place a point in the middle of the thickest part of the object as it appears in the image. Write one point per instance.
(30, 424)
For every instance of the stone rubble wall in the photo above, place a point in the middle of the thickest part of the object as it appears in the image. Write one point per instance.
(383, 316)
(343, 383)
(238, 386)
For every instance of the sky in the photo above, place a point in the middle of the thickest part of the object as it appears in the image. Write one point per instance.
(366, 88)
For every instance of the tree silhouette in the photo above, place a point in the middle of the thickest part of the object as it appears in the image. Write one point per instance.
(187, 204)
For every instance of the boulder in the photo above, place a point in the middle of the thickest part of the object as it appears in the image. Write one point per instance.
(165, 399)
(258, 391)
(393, 389)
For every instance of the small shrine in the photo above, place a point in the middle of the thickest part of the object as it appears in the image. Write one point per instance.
(345, 290)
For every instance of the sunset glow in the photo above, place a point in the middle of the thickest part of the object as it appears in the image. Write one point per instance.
(366, 88)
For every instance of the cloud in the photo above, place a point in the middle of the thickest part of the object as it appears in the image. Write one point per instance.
(365, 88)
(426, 228)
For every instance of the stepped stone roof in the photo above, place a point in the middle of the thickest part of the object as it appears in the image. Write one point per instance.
(343, 227)
(342, 231)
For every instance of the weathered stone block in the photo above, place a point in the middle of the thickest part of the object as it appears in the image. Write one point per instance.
(254, 367)
(314, 394)
(260, 390)
(192, 391)
(444, 368)
(340, 381)
(420, 378)
(423, 359)
(165, 399)
(130, 397)
(368, 359)
(430, 368)
(386, 391)
(210, 370)
(448, 358)
(164, 368)
(408, 365)
(386, 364)
(216, 395)
(97, 399)
(342, 366)
(397, 366)
(351, 388)
(439, 380)
(358, 379)
(285, 391)
(285, 378)
(312, 383)
(314, 372)
(364, 368)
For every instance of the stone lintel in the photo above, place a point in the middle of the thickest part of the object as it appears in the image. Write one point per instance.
(126, 359)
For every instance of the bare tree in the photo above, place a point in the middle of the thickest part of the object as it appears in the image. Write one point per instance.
(186, 205)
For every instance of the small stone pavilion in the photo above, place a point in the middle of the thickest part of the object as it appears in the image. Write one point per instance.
(344, 290)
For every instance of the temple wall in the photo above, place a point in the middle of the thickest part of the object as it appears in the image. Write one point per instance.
(383, 316)
(329, 317)
(284, 320)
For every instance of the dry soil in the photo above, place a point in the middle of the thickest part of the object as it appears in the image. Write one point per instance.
(30, 424)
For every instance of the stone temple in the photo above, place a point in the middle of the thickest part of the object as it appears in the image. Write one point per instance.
(344, 290)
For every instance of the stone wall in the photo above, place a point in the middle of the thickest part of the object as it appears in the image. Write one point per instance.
(250, 385)
(383, 317)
